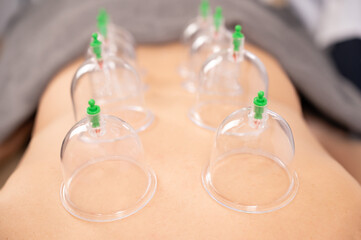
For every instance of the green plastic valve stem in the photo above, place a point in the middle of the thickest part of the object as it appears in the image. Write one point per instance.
(218, 18)
(93, 111)
(237, 38)
(259, 103)
(204, 9)
(102, 22)
(97, 46)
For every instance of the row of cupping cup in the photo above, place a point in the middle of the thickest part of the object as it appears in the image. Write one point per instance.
(105, 177)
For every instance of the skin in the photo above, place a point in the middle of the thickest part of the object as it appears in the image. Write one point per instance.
(327, 205)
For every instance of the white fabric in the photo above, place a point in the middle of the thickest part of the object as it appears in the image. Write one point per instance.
(330, 21)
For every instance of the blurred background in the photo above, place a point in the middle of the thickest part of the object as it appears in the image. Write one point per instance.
(317, 42)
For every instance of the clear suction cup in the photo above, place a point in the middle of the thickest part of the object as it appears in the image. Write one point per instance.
(201, 23)
(206, 43)
(114, 84)
(116, 39)
(125, 51)
(104, 175)
(228, 81)
(252, 163)
(121, 34)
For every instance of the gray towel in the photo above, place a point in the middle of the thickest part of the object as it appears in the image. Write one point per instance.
(46, 35)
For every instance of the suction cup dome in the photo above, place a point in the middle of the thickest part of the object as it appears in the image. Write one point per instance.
(227, 84)
(114, 84)
(251, 168)
(206, 43)
(105, 177)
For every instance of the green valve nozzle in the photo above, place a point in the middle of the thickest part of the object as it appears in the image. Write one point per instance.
(102, 22)
(97, 46)
(237, 37)
(204, 8)
(103, 16)
(93, 110)
(218, 18)
(259, 103)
